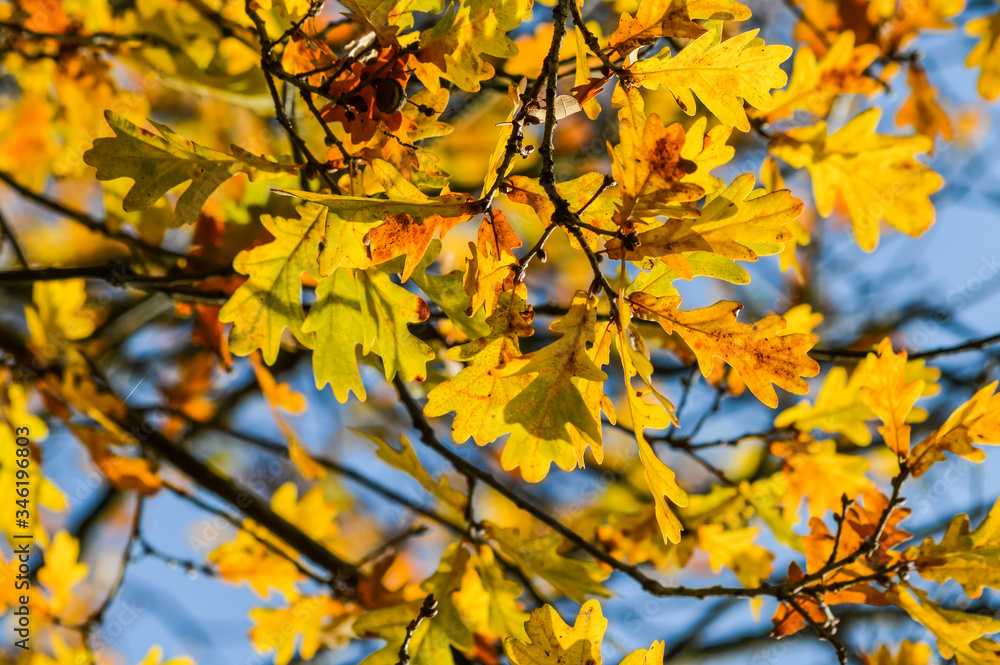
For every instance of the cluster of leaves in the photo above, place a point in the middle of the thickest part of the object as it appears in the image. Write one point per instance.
(370, 184)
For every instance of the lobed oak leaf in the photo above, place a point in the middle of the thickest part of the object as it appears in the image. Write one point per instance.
(821, 474)
(477, 395)
(910, 653)
(574, 578)
(656, 413)
(756, 351)
(970, 557)
(960, 635)
(890, 397)
(62, 570)
(59, 315)
(815, 85)
(551, 409)
(552, 641)
(840, 408)
(473, 599)
(304, 622)
(739, 224)
(405, 224)
(922, 110)
(708, 149)
(490, 603)
(723, 74)
(271, 298)
(248, 560)
(975, 422)
(457, 47)
(365, 307)
(653, 20)
(490, 271)
(650, 169)
(160, 163)
(876, 176)
(986, 53)
(735, 549)
(405, 459)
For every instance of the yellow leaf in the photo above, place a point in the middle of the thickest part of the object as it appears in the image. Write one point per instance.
(838, 409)
(739, 223)
(755, 351)
(975, 422)
(708, 149)
(248, 560)
(889, 396)
(552, 641)
(477, 395)
(814, 86)
(491, 269)
(959, 634)
(155, 657)
(921, 110)
(801, 320)
(281, 396)
(279, 629)
(723, 75)
(313, 514)
(503, 617)
(404, 224)
(62, 570)
(405, 459)
(877, 176)
(577, 193)
(910, 653)
(540, 556)
(735, 549)
(660, 479)
(429, 644)
(473, 600)
(456, 48)
(58, 315)
(127, 473)
(823, 475)
(969, 557)
(986, 53)
(278, 395)
(653, 20)
(650, 168)
(551, 407)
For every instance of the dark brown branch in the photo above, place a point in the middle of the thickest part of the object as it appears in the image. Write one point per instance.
(833, 355)
(86, 220)
(427, 611)
(343, 575)
(269, 67)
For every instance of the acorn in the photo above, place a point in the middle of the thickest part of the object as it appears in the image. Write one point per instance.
(389, 96)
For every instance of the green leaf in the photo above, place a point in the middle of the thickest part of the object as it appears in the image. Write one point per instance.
(159, 163)
(364, 307)
(271, 299)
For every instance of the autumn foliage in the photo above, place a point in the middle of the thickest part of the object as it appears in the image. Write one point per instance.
(528, 228)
